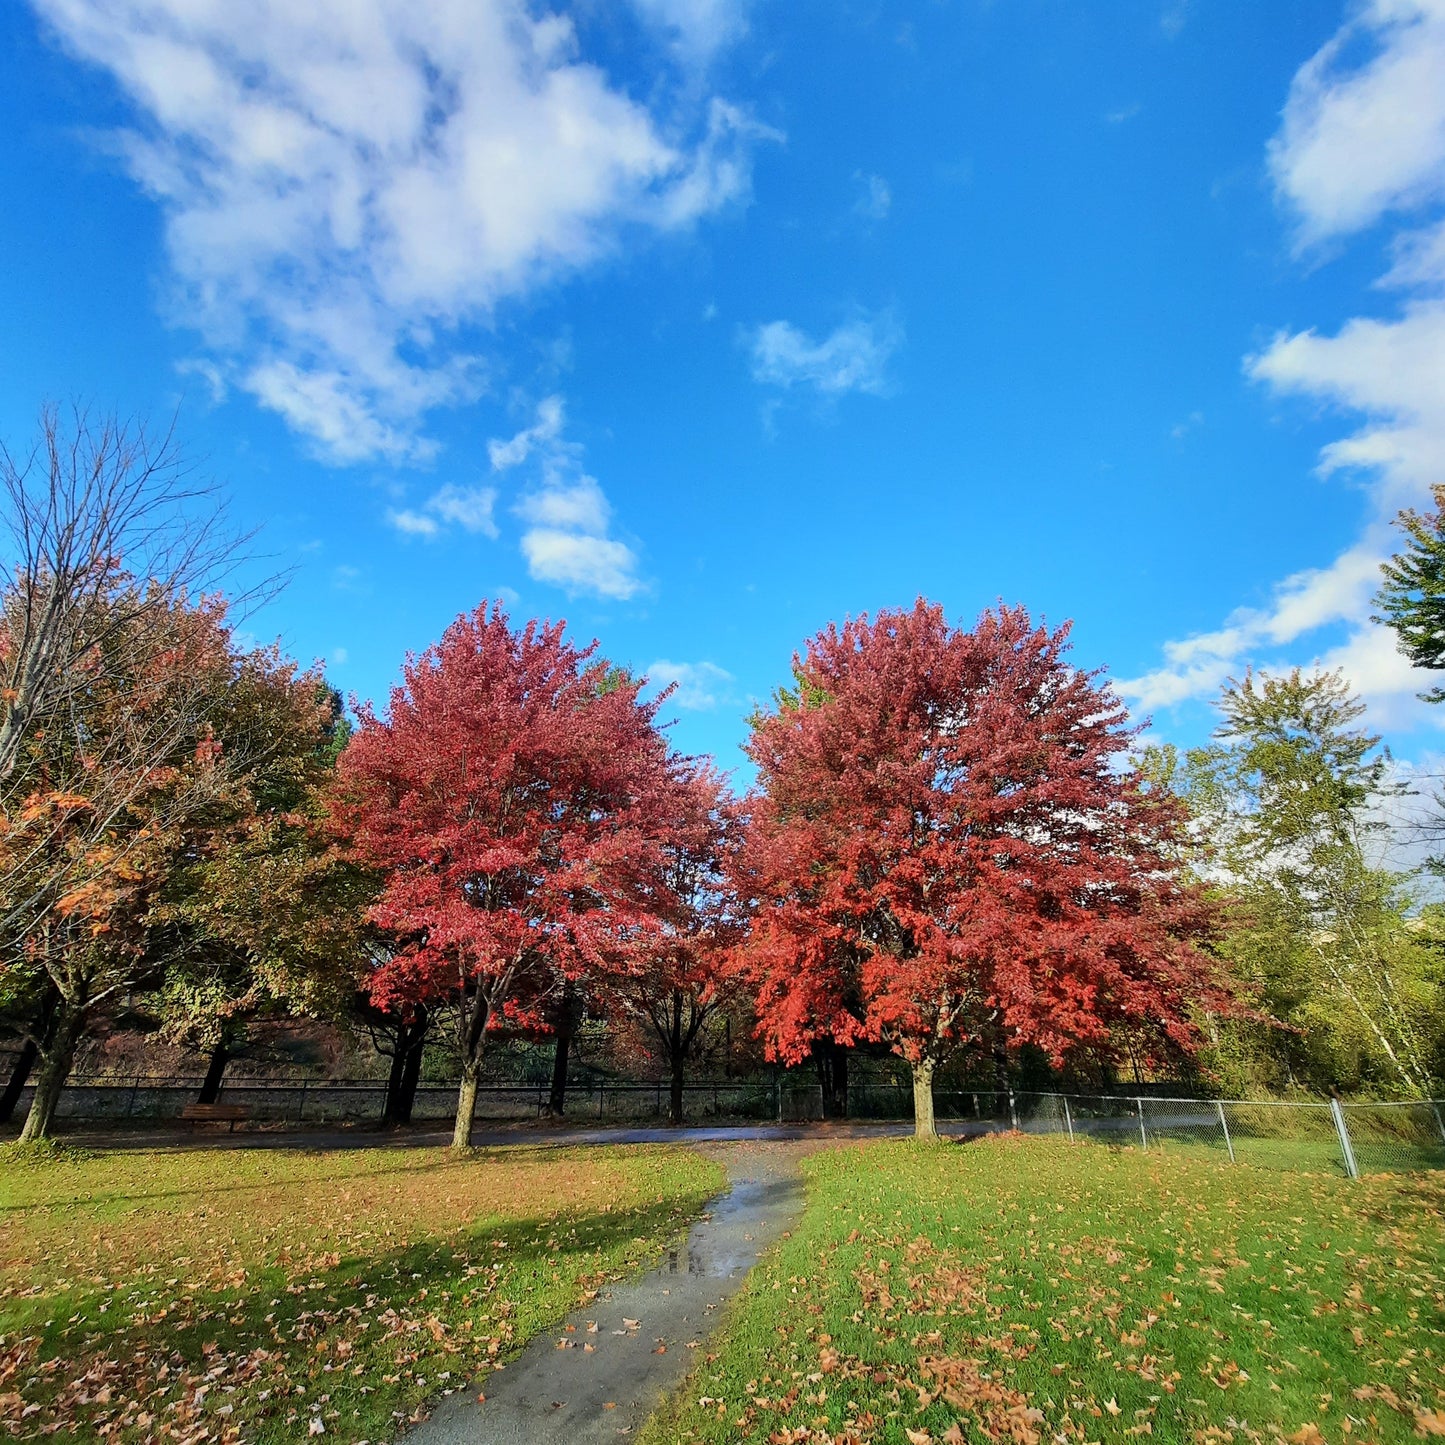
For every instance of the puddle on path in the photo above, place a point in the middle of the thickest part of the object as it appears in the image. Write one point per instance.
(640, 1331)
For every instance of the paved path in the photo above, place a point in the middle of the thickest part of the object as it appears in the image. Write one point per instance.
(621, 1354)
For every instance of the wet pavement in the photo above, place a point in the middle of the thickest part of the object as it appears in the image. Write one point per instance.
(600, 1373)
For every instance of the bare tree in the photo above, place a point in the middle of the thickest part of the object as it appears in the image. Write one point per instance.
(97, 511)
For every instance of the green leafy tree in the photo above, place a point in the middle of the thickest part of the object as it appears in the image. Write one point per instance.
(1412, 599)
(1288, 796)
(264, 915)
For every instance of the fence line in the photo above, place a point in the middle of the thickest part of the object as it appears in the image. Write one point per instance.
(1349, 1138)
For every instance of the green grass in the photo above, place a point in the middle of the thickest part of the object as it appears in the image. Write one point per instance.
(244, 1295)
(1023, 1290)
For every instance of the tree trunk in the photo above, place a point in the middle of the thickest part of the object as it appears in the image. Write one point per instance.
(391, 1105)
(924, 1125)
(19, 1077)
(215, 1072)
(55, 1061)
(30, 1051)
(466, 1106)
(473, 1040)
(1000, 1054)
(674, 1098)
(557, 1095)
(411, 1074)
(832, 1061)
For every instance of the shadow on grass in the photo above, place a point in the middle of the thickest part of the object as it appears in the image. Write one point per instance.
(62, 1155)
(373, 1334)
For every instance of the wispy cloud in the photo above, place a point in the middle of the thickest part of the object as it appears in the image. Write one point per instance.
(345, 186)
(854, 357)
(875, 197)
(567, 540)
(698, 686)
(469, 509)
(1363, 137)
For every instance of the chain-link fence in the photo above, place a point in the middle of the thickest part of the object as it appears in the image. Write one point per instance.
(1355, 1138)
(336, 1101)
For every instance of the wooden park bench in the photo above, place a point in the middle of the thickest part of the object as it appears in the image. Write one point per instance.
(215, 1114)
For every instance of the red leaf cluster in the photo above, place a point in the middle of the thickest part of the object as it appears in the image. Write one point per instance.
(513, 799)
(947, 846)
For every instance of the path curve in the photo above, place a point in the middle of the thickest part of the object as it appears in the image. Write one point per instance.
(639, 1330)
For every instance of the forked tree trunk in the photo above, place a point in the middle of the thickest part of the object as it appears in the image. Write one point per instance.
(29, 1051)
(215, 1072)
(405, 1071)
(55, 1061)
(924, 1124)
(411, 1076)
(19, 1077)
(832, 1062)
(391, 1101)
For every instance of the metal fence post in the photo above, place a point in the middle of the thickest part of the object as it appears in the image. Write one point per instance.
(1013, 1111)
(301, 1107)
(778, 1095)
(1143, 1137)
(1351, 1168)
(1068, 1119)
(1439, 1122)
(1224, 1124)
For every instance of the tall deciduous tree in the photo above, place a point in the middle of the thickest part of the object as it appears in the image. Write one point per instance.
(1291, 792)
(512, 798)
(682, 980)
(946, 848)
(262, 912)
(142, 767)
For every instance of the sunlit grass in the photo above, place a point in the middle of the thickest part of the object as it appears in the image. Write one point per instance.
(218, 1295)
(1027, 1290)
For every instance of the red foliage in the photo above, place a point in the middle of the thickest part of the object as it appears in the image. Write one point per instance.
(946, 847)
(681, 978)
(512, 800)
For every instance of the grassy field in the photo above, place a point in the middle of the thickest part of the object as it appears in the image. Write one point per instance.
(1022, 1290)
(207, 1295)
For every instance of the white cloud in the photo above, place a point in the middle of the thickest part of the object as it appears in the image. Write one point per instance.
(469, 508)
(346, 182)
(853, 358)
(567, 514)
(340, 656)
(516, 450)
(699, 27)
(1360, 139)
(698, 686)
(581, 563)
(875, 197)
(577, 506)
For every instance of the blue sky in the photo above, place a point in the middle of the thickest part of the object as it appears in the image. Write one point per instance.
(703, 322)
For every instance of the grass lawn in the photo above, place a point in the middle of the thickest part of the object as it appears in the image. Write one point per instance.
(262, 1296)
(1022, 1290)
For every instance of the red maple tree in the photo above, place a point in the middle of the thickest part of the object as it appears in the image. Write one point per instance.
(681, 979)
(945, 848)
(512, 798)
